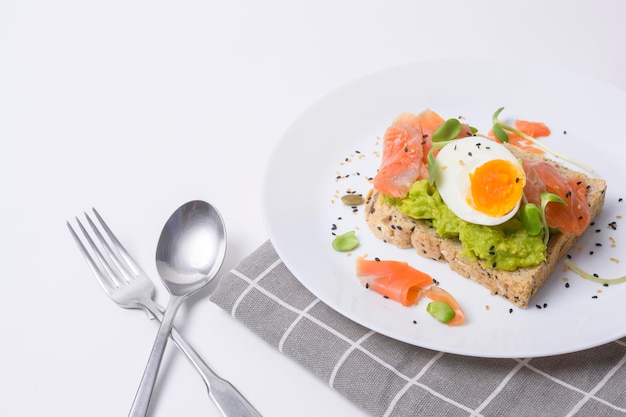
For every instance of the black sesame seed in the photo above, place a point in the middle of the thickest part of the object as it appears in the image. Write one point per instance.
(414, 321)
(538, 306)
(620, 199)
(545, 305)
(569, 256)
(516, 180)
(406, 149)
(598, 244)
(333, 227)
(386, 297)
(596, 275)
(590, 252)
(493, 265)
(367, 285)
(594, 297)
(568, 194)
(510, 310)
(565, 132)
(598, 230)
(606, 284)
(469, 154)
(567, 285)
(425, 135)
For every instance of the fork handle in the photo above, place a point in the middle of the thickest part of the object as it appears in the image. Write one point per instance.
(228, 399)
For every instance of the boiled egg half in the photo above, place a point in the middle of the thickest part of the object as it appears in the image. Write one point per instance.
(480, 180)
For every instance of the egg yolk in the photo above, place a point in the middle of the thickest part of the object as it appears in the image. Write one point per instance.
(496, 187)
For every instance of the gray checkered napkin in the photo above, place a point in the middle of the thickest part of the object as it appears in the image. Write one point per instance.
(386, 377)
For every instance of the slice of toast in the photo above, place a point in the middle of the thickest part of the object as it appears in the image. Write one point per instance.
(518, 286)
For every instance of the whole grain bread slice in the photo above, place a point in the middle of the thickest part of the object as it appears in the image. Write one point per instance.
(518, 286)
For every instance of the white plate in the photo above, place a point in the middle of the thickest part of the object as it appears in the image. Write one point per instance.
(338, 136)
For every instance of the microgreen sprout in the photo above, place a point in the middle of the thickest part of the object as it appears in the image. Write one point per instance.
(546, 198)
(594, 278)
(534, 218)
(530, 216)
(345, 242)
(500, 130)
(441, 311)
(449, 130)
(446, 133)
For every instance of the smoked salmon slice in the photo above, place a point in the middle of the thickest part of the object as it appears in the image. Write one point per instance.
(406, 144)
(401, 282)
(403, 153)
(395, 280)
(533, 129)
(571, 218)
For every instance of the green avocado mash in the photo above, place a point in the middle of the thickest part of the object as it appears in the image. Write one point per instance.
(506, 246)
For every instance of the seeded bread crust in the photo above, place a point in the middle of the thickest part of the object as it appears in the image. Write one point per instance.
(519, 286)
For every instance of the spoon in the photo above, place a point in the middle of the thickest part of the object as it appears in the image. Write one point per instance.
(189, 254)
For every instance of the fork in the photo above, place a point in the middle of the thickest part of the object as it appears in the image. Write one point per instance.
(123, 280)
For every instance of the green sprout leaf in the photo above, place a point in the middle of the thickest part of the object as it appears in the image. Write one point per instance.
(432, 167)
(500, 133)
(547, 198)
(449, 130)
(441, 311)
(432, 163)
(530, 216)
(345, 242)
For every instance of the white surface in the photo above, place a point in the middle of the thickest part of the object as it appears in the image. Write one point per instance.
(135, 107)
(332, 137)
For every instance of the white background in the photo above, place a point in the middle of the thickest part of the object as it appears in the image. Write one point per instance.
(135, 107)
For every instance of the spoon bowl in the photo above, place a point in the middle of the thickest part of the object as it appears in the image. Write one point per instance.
(189, 254)
(191, 248)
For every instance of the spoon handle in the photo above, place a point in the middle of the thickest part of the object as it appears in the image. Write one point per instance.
(228, 399)
(146, 386)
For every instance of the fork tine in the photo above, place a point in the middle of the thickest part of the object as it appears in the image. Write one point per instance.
(109, 264)
(102, 277)
(120, 249)
(115, 264)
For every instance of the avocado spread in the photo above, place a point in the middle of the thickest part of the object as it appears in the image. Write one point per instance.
(506, 246)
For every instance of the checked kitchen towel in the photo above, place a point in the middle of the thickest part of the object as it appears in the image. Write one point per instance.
(386, 377)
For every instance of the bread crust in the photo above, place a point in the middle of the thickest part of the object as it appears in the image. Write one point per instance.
(518, 286)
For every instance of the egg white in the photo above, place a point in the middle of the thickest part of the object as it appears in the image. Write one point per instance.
(454, 164)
